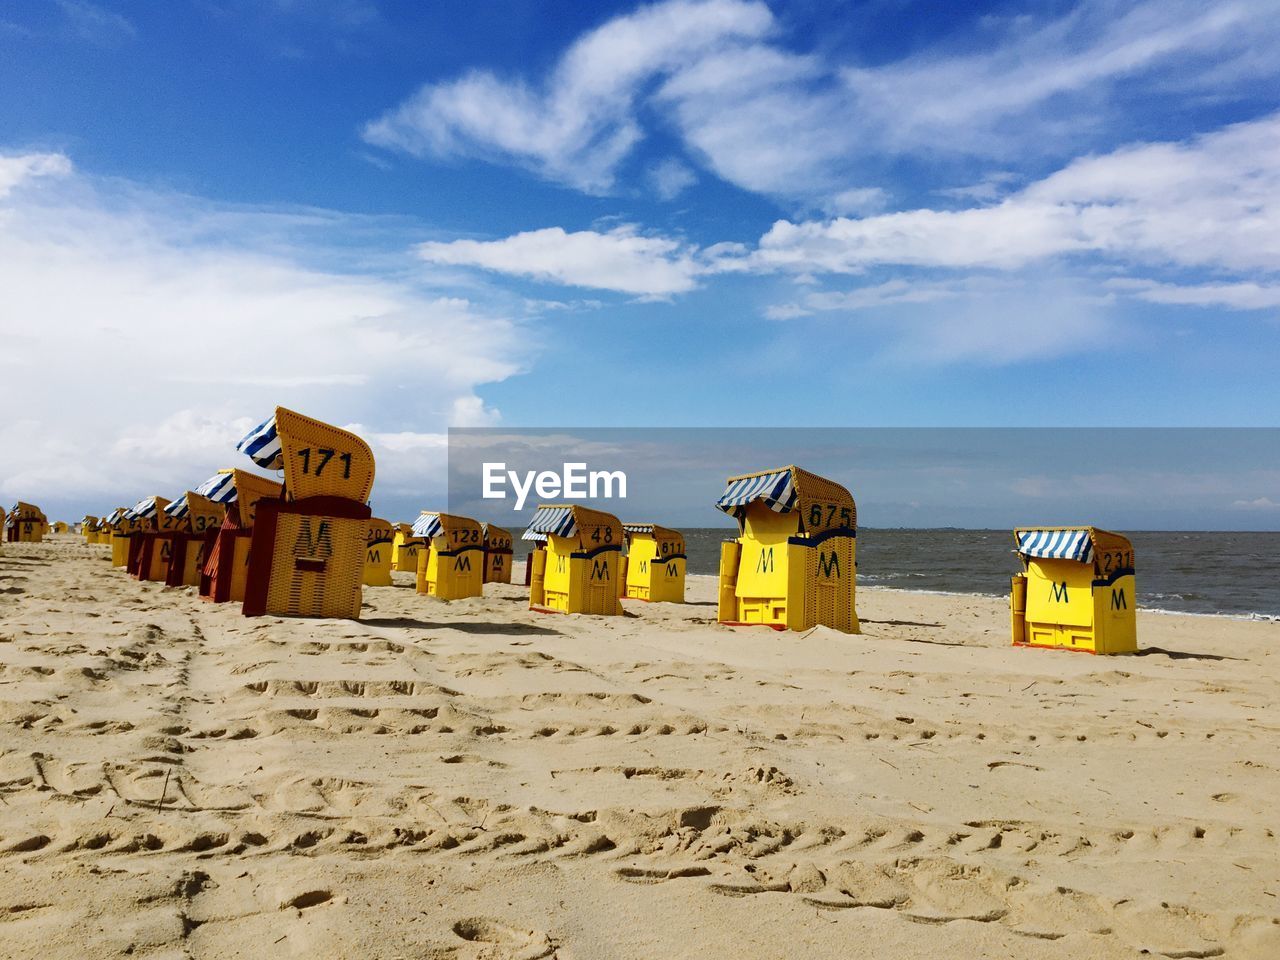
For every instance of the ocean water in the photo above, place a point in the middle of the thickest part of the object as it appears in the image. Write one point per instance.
(1182, 572)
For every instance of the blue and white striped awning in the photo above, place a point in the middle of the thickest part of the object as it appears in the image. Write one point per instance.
(1056, 545)
(220, 488)
(775, 489)
(534, 535)
(262, 445)
(178, 509)
(427, 526)
(115, 516)
(638, 527)
(144, 509)
(553, 520)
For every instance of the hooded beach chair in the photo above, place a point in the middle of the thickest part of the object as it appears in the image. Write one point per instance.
(404, 549)
(60, 526)
(202, 511)
(1076, 591)
(308, 547)
(655, 563)
(579, 569)
(147, 513)
(539, 541)
(156, 551)
(497, 553)
(226, 564)
(377, 555)
(792, 566)
(117, 527)
(26, 523)
(89, 528)
(451, 564)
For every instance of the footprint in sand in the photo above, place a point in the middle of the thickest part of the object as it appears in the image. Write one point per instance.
(505, 942)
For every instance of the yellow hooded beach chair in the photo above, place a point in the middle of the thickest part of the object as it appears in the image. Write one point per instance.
(26, 523)
(1076, 591)
(404, 549)
(308, 548)
(451, 564)
(226, 564)
(497, 553)
(377, 556)
(579, 569)
(655, 564)
(145, 513)
(793, 565)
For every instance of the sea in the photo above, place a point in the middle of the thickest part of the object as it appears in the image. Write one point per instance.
(1235, 574)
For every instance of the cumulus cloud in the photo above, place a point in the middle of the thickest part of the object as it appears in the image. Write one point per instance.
(620, 259)
(144, 332)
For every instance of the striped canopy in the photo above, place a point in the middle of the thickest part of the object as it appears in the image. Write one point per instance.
(115, 516)
(178, 509)
(144, 509)
(1056, 544)
(534, 535)
(427, 526)
(638, 527)
(776, 489)
(553, 520)
(262, 445)
(220, 488)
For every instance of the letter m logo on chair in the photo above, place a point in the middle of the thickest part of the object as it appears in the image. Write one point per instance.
(462, 563)
(1060, 592)
(766, 561)
(829, 568)
(1118, 600)
(599, 570)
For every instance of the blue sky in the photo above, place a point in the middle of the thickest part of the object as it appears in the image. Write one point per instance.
(406, 216)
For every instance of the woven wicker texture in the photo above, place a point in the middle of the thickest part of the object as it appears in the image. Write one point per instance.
(317, 566)
(323, 460)
(203, 513)
(250, 488)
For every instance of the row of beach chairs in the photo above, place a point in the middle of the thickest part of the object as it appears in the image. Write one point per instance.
(308, 545)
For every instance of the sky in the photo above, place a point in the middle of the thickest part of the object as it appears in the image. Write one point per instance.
(401, 217)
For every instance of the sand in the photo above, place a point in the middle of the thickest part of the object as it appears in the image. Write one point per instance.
(469, 779)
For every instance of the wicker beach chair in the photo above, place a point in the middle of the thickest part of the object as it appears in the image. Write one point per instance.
(579, 569)
(308, 547)
(451, 564)
(655, 564)
(1076, 591)
(226, 565)
(793, 565)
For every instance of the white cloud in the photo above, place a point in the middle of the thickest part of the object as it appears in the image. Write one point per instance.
(577, 125)
(1260, 503)
(856, 201)
(16, 169)
(670, 178)
(144, 332)
(96, 24)
(802, 125)
(620, 259)
(1212, 202)
(990, 102)
(1244, 295)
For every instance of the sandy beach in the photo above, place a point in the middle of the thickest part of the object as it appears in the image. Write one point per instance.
(473, 780)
